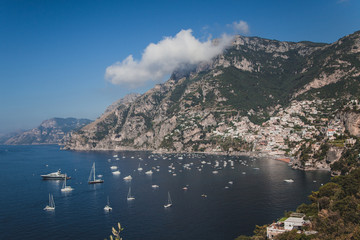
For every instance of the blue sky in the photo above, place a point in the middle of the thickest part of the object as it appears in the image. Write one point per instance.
(54, 54)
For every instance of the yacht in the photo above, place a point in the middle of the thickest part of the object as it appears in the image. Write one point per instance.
(55, 176)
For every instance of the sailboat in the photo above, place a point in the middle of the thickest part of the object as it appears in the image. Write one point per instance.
(107, 208)
(51, 206)
(139, 168)
(169, 203)
(129, 197)
(92, 179)
(66, 188)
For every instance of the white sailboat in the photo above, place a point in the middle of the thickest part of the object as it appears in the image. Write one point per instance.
(129, 197)
(51, 206)
(66, 188)
(139, 168)
(169, 202)
(92, 179)
(107, 208)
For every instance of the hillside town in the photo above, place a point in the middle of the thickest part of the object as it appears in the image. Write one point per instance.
(303, 123)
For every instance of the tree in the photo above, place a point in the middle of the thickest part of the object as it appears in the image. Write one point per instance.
(116, 233)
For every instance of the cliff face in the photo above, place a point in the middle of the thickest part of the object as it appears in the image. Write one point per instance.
(52, 131)
(351, 120)
(247, 98)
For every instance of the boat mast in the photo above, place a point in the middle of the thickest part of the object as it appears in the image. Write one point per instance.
(94, 170)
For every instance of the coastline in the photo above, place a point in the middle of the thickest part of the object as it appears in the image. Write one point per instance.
(257, 154)
(268, 155)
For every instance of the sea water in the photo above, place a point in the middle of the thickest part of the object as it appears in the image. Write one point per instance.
(211, 207)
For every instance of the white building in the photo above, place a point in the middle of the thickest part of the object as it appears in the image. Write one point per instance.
(295, 221)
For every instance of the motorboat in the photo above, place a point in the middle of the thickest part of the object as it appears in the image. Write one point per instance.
(128, 178)
(55, 176)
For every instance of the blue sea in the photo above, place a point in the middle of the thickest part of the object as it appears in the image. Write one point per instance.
(258, 194)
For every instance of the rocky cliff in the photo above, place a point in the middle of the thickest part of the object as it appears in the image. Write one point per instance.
(258, 95)
(52, 131)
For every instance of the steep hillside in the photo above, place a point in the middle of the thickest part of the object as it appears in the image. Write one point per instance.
(52, 131)
(259, 95)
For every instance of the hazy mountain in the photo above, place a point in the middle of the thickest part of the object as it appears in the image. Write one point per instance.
(52, 131)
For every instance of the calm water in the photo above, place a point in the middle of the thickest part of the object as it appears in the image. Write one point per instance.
(257, 197)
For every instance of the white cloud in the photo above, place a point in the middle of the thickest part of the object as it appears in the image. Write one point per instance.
(241, 27)
(162, 58)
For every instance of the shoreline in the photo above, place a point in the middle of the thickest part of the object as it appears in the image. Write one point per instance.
(282, 158)
(257, 154)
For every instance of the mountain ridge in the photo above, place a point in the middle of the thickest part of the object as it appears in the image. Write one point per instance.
(237, 101)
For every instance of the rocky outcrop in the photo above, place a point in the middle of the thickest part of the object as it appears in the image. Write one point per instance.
(351, 121)
(129, 98)
(52, 131)
(333, 154)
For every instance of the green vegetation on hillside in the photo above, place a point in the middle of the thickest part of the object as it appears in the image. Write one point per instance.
(334, 210)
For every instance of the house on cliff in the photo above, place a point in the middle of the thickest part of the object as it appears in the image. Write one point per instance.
(295, 221)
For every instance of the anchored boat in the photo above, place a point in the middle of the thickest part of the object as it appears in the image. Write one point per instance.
(55, 176)
(92, 179)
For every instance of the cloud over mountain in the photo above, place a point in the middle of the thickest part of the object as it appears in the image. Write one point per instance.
(241, 27)
(162, 58)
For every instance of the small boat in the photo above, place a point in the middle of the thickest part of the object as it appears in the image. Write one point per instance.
(128, 178)
(149, 172)
(215, 172)
(139, 168)
(54, 176)
(117, 172)
(92, 179)
(107, 207)
(231, 182)
(288, 180)
(66, 188)
(129, 197)
(185, 188)
(51, 206)
(113, 167)
(115, 156)
(155, 186)
(169, 202)
(204, 195)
